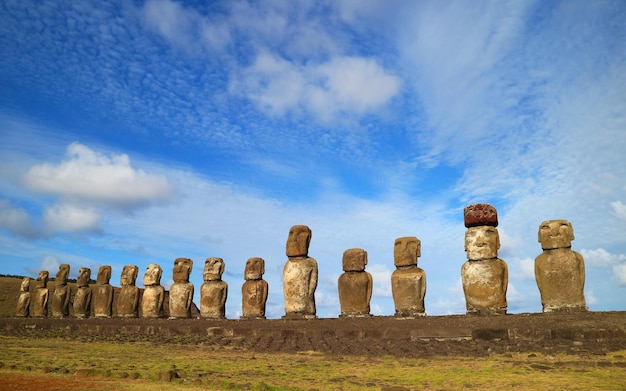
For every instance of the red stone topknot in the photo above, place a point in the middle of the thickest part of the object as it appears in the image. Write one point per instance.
(480, 214)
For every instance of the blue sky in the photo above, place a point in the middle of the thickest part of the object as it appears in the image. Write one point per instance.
(137, 132)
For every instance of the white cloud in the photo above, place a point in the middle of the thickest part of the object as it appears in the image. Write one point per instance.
(381, 277)
(620, 272)
(619, 209)
(527, 267)
(65, 218)
(602, 258)
(16, 220)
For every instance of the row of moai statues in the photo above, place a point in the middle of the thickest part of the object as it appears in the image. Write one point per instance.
(559, 273)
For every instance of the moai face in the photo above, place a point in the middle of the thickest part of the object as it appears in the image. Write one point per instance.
(129, 275)
(182, 269)
(255, 267)
(298, 241)
(213, 269)
(84, 275)
(104, 275)
(482, 242)
(153, 275)
(556, 234)
(406, 250)
(354, 260)
(42, 279)
(62, 275)
(25, 286)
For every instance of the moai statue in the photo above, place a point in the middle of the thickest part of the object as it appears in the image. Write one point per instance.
(299, 275)
(485, 277)
(40, 309)
(181, 291)
(154, 294)
(23, 302)
(103, 294)
(408, 282)
(355, 284)
(60, 301)
(82, 299)
(214, 291)
(254, 290)
(128, 300)
(559, 271)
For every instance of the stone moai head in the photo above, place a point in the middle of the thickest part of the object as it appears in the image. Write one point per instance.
(406, 250)
(84, 275)
(104, 275)
(556, 234)
(182, 269)
(255, 268)
(482, 240)
(25, 286)
(298, 241)
(62, 275)
(42, 279)
(129, 275)
(213, 269)
(354, 260)
(152, 275)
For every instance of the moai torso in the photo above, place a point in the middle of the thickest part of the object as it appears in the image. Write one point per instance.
(559, 271)
(153, 294)
(82, 299)
(103, 294)
(40, 307)
(23, 301)
(408, 282)
(214, 291)
(355, 284)
(181, 291)
(254, 290)
(299, 275)
(128, 299)
(60, 301)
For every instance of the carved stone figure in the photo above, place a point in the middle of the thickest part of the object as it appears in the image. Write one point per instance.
(103, 294)
(153, 294)
(181, 291)
(299, 275)
(40, 309)
(355, 284)
(408, 282)
(128, 299)
(23, 301)
(82, 299)
(214, 291)
(254, 290)
(559, 271)
(60, 301)
(484, 276)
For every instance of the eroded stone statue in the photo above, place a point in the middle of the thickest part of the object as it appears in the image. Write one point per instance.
(408, 282)
(128, 299)
(299, 275)
(82, 299)
(23, 301)
(355, 284)
(60, 301)
(181, 291)
(254, 290)
(103, 294)
(40, 309)
(153, 294)
(484, 276)
(214, 291)
(559, 271)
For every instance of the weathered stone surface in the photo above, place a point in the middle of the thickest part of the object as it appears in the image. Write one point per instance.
(214, 291)
(128, 299)
(559, 271)
(355, 285)
(60, 300)
(299, 275)
(82, 299)
(153, 294)
(480, 214)
(254, 290)
(40, 307)
(408, 282)
(103, 294)
(23, 301)
(181, 291)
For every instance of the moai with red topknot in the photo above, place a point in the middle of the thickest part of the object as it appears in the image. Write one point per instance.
(408, 282)
(484, 276)
(355, 284)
